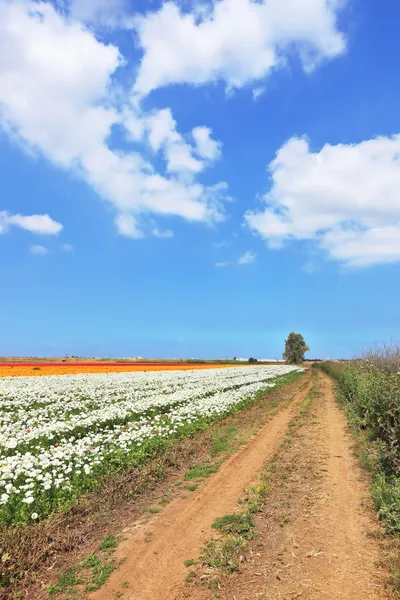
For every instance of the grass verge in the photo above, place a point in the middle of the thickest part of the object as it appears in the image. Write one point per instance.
(370, 396)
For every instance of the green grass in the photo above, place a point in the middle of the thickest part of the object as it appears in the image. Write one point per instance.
(110, 542)
(66, 580)
(223, 439)
(224, 553)
(192, 487)
(371, 398)
(189, 562)
(238, 523)
(89, 576)
(201, 471)
(370, 395)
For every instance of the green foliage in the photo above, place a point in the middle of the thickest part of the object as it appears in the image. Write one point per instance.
(372, 400)
(189, 562)
(201, 471)
(222, 441)
(110, 542)
(252, 360)
(238, 523)
(295, 349)
(223, 554)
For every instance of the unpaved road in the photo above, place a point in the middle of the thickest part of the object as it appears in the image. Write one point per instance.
(155, 554)
(323, 553)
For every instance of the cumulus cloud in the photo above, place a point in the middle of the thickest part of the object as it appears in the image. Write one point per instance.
(206, 147)
(58, 96)
(179, 154)
(234, 41)
(247, 258)
(67, 247)
(127, 226)
(40, 224)
(39, 250)
(167, 234)
(101, 12)
(346, 198)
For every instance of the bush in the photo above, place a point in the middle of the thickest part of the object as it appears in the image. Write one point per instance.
(372, 399)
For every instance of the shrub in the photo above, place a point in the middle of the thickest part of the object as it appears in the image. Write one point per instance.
(371, 397)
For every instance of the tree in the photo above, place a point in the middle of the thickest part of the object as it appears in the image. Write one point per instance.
(295, 348)
(252, 360)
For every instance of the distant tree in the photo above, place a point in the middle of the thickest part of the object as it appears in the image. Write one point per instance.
(295, 348)
(252, 360)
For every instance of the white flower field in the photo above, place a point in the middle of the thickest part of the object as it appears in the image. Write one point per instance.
(60, 434)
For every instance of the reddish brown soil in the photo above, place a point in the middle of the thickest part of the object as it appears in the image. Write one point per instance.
(317, 535)
(313, 541)
(154, 565)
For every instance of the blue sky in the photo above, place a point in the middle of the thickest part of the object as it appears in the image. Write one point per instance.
(198, 179)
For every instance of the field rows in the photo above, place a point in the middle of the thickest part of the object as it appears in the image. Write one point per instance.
(35, 369)
(59, 434)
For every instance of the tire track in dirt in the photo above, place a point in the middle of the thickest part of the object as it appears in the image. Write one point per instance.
(155, 553)
(317, 532)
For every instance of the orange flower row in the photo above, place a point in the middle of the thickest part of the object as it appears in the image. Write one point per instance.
(21, 370)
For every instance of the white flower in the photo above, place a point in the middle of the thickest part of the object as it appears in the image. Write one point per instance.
(92, 416)
(34, 516)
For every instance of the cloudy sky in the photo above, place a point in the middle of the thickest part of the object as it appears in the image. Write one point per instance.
(198, 178)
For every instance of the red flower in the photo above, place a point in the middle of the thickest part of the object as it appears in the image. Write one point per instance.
(28, 430)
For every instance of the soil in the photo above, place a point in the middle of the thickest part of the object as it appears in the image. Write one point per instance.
(317, 536)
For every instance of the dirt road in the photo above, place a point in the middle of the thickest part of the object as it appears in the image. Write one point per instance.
(313, 538)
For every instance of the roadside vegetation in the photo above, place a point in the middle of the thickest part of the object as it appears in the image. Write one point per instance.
(369, 389)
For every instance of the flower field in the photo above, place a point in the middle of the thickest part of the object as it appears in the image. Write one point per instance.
(60, 434)
(27, 369)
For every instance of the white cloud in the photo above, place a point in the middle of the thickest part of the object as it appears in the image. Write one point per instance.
(235, 41)
(178, 153)
(206, 147)
(40, 224)
(247, 258)
(163, 234)
(222, 264)
(102, 12)
(257, 92)
(67, 247)
(39, 250)
(127, 226)
(345, 197)
(57, 97)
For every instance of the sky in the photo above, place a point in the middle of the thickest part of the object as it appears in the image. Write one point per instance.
(197, 178)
